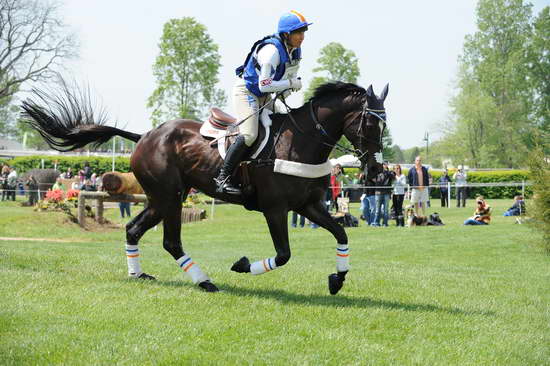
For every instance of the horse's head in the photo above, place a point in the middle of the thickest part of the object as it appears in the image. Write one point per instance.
(366, 129)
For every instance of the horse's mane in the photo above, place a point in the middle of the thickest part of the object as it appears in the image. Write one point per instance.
(337, 87)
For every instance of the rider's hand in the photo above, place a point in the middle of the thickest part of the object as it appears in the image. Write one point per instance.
(295, 84)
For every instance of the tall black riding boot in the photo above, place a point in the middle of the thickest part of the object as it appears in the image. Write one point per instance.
(234, 156)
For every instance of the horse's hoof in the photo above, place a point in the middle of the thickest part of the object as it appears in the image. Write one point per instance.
(145, 276)
(241, 266)
(334, 283)
(208, 286)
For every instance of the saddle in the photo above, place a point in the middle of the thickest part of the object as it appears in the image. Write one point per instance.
(221, 128)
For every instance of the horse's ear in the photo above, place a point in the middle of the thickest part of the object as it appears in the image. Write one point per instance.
(370, 92)
(384, 92)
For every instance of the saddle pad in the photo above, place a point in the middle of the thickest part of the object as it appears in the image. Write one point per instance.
(301, 169)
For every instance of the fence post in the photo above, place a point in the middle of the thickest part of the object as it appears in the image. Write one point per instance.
(99, 210)
(448, 194)
(523, 188)
(212, 208)
(81, 209)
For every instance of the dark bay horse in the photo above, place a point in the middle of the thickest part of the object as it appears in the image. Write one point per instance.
(174, 157)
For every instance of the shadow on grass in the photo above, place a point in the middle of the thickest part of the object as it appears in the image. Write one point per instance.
(337, 301)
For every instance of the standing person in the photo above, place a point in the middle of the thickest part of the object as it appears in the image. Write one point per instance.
(124, 209)
(382, 190)
(270, 67)
(368, 200)
(87, 170)
(336, 180)
(482, 214)
(460, 178)
(32, 186)
(4, 181)
(419, 181)
(444, 188)
(295, 220)
(12, 184)
(399, 185)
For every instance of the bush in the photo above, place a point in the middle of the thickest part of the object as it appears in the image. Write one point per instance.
(98, 164)
(539, 210)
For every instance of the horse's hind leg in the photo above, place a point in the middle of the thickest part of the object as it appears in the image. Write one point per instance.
(318, 214)
(135, 229)
(172, 244)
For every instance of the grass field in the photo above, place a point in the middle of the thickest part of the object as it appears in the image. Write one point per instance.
(427, 296)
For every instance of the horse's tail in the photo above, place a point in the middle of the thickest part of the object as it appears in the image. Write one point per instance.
(67, 120)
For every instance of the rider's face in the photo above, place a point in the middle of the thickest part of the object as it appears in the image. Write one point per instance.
(295, 39)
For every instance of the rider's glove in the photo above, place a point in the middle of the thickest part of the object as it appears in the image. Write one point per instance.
(295, 84)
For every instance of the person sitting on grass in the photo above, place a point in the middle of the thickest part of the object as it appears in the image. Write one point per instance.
(518, 208)
(482, 214)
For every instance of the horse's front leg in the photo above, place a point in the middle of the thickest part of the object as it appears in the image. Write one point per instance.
(318, 214)
(278, 227)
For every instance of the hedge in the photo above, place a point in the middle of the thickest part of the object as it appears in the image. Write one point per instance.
(101, 165)
(499, 176)
(98, 164)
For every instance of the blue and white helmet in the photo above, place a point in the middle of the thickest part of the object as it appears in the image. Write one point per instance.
(291, 21)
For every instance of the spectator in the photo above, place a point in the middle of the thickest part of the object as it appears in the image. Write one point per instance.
(89, 186)
(12, 184)
(444, 188)
(399, 195)
(460, 177)
(518, 208)
(368, 199)
(482, 214)
(58, 185)
(295, 220)
(4, 181)
(336, 180)
(419, 180)
(124, 209)
(87, 170)
(383, 189)
(68, 174)
(32, 186)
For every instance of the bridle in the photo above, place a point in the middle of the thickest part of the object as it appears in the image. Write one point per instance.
(365, 112)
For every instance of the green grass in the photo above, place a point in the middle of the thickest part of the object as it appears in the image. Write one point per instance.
(428, 296)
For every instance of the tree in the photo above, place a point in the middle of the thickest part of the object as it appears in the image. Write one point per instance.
(337, 63)
(399, 157)
(186, 72)
(491, 108)
(387, 143)
(538, 54)
(33, 42)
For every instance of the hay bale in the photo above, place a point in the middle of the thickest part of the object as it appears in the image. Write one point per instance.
(121, 183)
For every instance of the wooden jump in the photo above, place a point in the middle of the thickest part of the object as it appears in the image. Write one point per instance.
(101, 197)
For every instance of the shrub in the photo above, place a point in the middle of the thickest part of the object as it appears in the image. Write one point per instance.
(98, 164)
(539, 210)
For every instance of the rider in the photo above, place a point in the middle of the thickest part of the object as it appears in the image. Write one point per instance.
(271, 66)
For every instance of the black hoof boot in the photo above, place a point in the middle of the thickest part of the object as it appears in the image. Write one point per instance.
(336, 281)
(241, 266)
(208, 286)
(145, 276)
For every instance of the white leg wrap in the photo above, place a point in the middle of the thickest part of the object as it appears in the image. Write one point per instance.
(192, 269)
(263, 266)
(132, 257)
(342, 258)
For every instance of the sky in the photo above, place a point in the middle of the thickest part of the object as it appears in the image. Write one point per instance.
(412, 45)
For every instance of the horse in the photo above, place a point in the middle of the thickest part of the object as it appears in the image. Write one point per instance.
(174, 157)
